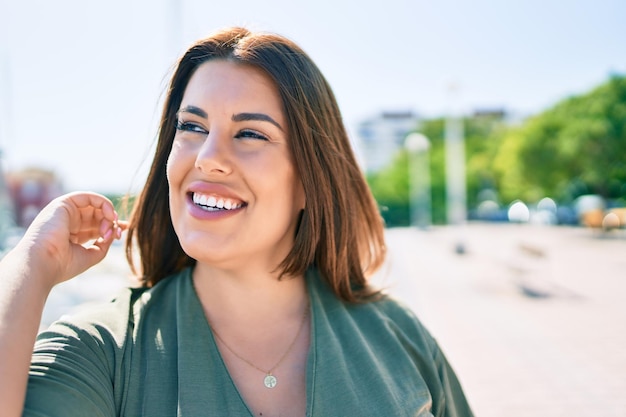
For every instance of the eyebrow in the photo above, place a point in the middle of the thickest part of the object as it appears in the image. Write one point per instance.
(242, 117)
(193, 110)
(239, 117)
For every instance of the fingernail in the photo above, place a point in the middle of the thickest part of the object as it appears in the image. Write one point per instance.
(118, 232)
(107, 234)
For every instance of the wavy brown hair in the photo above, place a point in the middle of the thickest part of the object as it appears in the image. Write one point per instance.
(340, 231)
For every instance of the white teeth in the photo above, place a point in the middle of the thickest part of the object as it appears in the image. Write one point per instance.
(211, 202)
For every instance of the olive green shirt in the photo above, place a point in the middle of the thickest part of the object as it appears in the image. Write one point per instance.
(151, 352)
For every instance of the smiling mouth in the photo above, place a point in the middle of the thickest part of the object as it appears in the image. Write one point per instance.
(213, 203)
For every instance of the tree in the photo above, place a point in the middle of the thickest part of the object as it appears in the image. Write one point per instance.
(576, 147)
(390, 187)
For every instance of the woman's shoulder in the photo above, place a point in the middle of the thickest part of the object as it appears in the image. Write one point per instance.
(399, 318)
(396, 310)
(113, 320)
(381, 315)
(90, 352)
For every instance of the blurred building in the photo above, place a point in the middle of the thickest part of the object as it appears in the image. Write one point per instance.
(31, 189)
(382, 136)
(498, 114)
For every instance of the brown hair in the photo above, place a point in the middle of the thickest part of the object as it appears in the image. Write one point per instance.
(340, 231)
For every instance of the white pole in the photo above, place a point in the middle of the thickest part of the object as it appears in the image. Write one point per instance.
(456, 194)
(418, 146)
(455, 171)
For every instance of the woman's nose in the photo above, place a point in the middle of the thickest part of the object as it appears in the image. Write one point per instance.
(215, 156)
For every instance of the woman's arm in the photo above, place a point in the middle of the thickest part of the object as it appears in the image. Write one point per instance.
(73, 233)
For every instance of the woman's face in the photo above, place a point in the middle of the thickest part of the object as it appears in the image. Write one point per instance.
(235, 196)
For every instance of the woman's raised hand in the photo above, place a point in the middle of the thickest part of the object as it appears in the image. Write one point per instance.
(71, 234)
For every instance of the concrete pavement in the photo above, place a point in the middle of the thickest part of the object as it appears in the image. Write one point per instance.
(532, 318)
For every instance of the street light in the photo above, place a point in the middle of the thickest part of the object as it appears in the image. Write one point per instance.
(418, 146)
(456, 199)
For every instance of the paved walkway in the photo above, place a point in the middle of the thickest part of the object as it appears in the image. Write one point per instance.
(532, 318)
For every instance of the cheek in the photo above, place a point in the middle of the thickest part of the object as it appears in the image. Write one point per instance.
(173, 165)
(175, 172)
(171, 181)
(290, 182)
(168, 170)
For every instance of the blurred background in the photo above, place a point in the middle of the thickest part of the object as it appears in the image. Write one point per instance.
(493, 136)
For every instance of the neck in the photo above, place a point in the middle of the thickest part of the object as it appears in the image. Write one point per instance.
(231, 297)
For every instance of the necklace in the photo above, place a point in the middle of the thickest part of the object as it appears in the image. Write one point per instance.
(270, 380)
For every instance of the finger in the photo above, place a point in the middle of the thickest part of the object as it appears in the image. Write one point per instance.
(102, 244)
(86, 257)
(123, 224)
(83, 237)
(90, 215)
(87, 201)
(108, 229)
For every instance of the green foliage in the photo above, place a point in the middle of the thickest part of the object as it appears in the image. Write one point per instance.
(390, 186)
(391, 190)
(576, 147)
(123, 204)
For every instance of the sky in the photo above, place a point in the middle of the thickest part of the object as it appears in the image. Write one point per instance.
(82, 82)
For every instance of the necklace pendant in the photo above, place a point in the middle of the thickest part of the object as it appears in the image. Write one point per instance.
(270, 381)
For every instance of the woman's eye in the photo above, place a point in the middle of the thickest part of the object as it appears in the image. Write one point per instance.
(189, 127)
(250, 134)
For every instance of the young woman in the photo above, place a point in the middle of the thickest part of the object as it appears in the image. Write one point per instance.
(253, 239)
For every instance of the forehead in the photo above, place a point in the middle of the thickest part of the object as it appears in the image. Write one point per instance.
(225, 84)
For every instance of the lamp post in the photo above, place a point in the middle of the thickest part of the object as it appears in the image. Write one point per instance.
(456, 193)
(418, 146)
